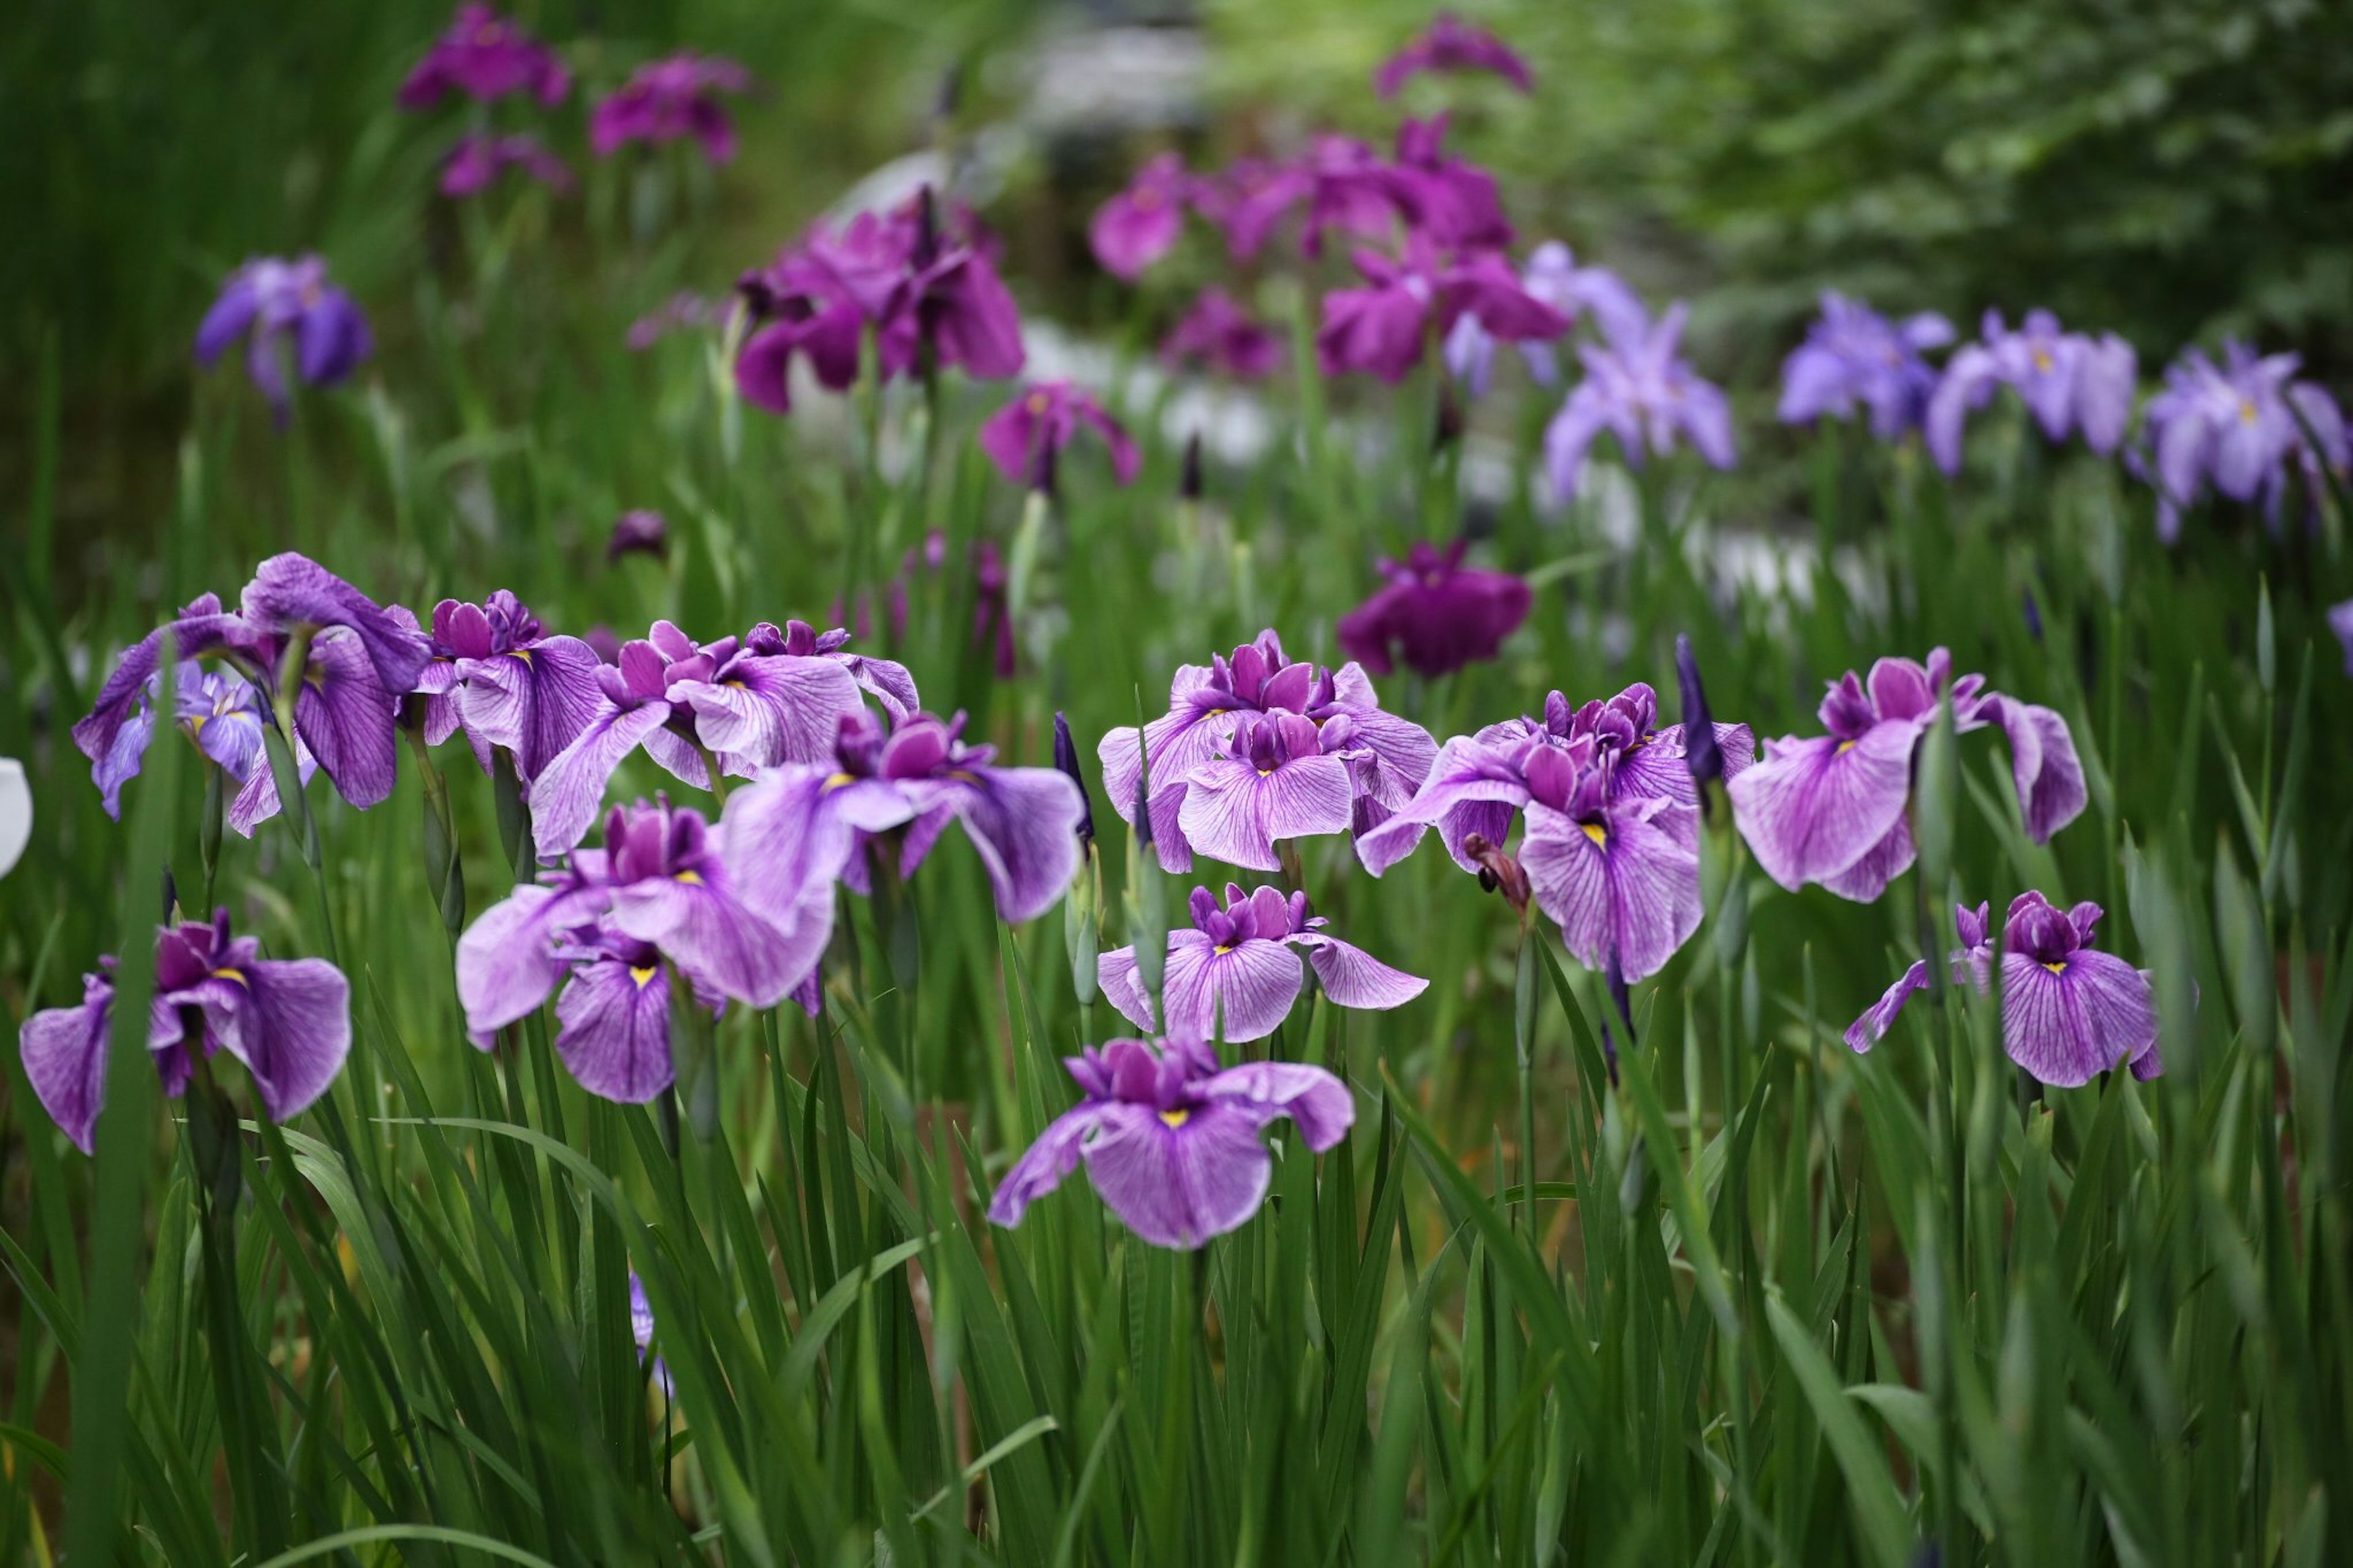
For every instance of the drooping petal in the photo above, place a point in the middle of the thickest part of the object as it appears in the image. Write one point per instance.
(568, 793)
(1863, 881)
(1355, 978)
(291, 591)
(347, 719)
(1044, 1164)
(2043, 765)
(507, 963)
(533, 701)
(1318, 1104)
(1237, 994)
(1123, 986)
(230, 315)
(615, 1038)
(772, 710)
(1813, 807)
(715, 939)
(1235, 814)
(64, 1060)
(2066, 1023)
(1180, 1177)
(1626, 888)
(290, 1023)
(1880, 1016)
(1024, 823)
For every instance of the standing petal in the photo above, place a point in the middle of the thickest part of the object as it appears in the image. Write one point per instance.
(615, 1038)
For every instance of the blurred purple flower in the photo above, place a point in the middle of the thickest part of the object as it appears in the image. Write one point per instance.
(1218, 334)
(666, 100)
(1552, 277)
(2069, 381)
(484, 57)
(1383, 328)
(1247, 198)
(640, 533)
(1638, 388)
(1448, 200)
(478, 158)
(2234, 426)
(1170, 1142)
(1348, 187)
(1851, 355)
(1143, 222)
(1438, 615)
(1452, 45)
(682, 312)
(272, 304)
(2340, 621)
(498, 674)
(1047, 414)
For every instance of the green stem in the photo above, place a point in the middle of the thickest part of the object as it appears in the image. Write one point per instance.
(291, 800)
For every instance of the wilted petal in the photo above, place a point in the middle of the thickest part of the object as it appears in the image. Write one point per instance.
(615, 1037)
(291, 591)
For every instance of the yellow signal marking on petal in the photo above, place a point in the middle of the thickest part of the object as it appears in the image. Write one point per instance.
(197, 725)
(236, 974)
(522, 653)
(644, 977)
(2059, 968)
(1039, 403)
(2246, 411)
(2041, 362)
(1266, 772)
(691, 879)
(835, 781)
(733, 685)
(1177, 1118)
(1598, 834)
(1843, 748)
(964, 776)
(1227, 948)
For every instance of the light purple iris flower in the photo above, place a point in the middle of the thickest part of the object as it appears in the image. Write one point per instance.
(1283, 776)
(1046, 417)
(2070, 382)
(497, 674)
(222, 714)
(799, 830)
(1143, 222)
(1171, 1144)
(641, 1330)
(1218, 334)
(288, 1021)
(485, 57)
(1247, 198)
(1638, 388)
(271, 304)
(1386, 757)
(611, 928)
(2069, 1012)
(1831, 808)
(1436, 613)
(2234, 426)
(1853, 355)
(1452, 45)
(360, 655)
(1383, 328)
(671, 98)
(480, 158)
(1234, 975)
(770, 697)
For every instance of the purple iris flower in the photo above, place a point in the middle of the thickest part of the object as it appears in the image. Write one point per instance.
(670, 99)
(1450, 200)
(1171, 1142)
(1384, 760)
(2234, 426)
(1638, 388)
(1852, 355)
(1452, 45)
(1283, 776)
(611, 926)
(1346, 186)
(498, 675)
(1218, 334)
(1233, 975)
(1436, 613)
(484, 57)
(2069, 381)
(641, 1330)
(638, 532)
(360, 655)
(272, 304)
(1142, 223)
(685, 310)
(1247, 199)
(222, 714)
(768, 698)
(2069, 1012)
(1046, 416)
(478, 159)
(1383, 328)
(288, 1021)
(1553, 277)
(1831, 808)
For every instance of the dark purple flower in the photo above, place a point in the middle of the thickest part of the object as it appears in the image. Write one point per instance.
(2069, 381)
(1218, 334)
(1437, 615)
(2233, 427)
(641, 532)
(288, 1021)
(484, 57)
(1702, 753)
(1348, 187)
(1452, 45)
(771, 697)
(1233, 975)
(1171, 1144)
(1383, 328)
(611, 926)
(1852, 355)
(1385, 758)
(478, 158)
(1448, 200)
(275, 304)
(1066, 762)
(1638, 388)
(1247, 199)
(498, 675)
(1830, 809)
(670, 99)
(1045, 417)
(1142, 223)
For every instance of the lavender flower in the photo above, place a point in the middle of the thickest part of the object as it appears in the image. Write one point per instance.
(1218, 334)
(1452, 45)
(670, 99)
(1438, 615)
(1170, 1142)
(2069, 381)
(1142, 223)
(288, 1021)
(1852, 355)
(1234, 976)
(1383, 328)
(2234, 426)
(272, 304)
(1638, 387)
(1552, 277)
(641, 1330)
(485, 57)
(478, 158)
(498, 675)
(1043, 420)
(1830, 809)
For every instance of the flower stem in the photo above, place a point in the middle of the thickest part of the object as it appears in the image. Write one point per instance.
(291, 801)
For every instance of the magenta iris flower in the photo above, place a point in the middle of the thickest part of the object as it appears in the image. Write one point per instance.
(1236, 971)
(1247, 198)
(1383, 328)
(1436, 615)
(1448, 200)
(2071, 382)
(1552, 277)
(1639, 389)
(1830, 808)
(1452, 45)
(1855, 356)
(611, 928)
(2233, 427)
(483, 55)
(639, 531)
(1172, 1143)
(668, 100)
(1346, 188)
(282, 307)
(479, 159)
(1046, 416)
(288, 1020)
(497, 674)
(1383, 762)
(770, 697)
(1217, 334)
(1143, 222)
(2069, 1012)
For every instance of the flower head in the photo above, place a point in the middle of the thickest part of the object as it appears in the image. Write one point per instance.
(2069, 381)
(1451, 44)
(670, 99)
(1383, 328)
(1551, 277)
(497, 674)
(1853, 355)
(485, 57)
(1142, 223)
(1172, 1143)
(1218, 334)
(478, 158)
(1247, 198)
(278, 306)
(1638, 388)
(638, 532)
(1043, 420)
(1448, 201)
(1436, 613)
(2234, 428)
